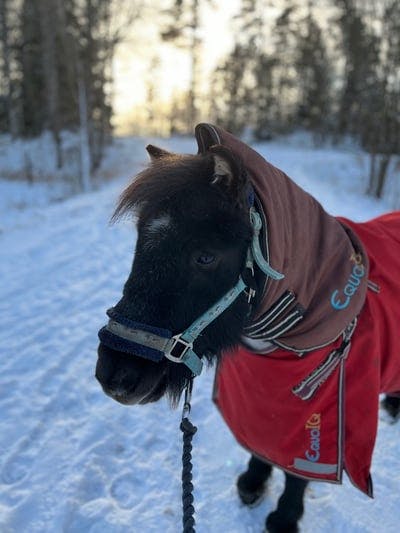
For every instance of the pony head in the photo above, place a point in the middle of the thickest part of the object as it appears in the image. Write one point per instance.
(193, 235)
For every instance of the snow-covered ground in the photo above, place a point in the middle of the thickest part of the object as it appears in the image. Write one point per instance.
(72, 460)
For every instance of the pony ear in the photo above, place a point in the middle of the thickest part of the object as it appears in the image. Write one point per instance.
(228, 173)
(156, 153)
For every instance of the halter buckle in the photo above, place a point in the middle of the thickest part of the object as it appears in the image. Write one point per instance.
(177, 350)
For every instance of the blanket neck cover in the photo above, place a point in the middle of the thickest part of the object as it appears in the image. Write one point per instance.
(324, 262)
(295, 337)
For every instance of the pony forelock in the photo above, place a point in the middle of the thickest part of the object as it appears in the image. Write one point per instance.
(163, 178)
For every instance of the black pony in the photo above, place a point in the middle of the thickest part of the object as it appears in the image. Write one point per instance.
(194, 233)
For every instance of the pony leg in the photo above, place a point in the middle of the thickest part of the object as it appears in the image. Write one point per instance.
(290, 507)
(391, 404)
(251, 484)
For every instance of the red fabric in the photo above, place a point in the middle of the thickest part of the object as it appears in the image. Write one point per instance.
(254, 392)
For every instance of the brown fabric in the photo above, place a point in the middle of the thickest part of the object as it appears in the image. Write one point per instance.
(314, 251)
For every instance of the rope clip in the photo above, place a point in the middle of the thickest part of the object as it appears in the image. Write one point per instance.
(188, 396)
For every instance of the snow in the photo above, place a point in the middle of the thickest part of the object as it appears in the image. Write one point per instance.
(72, 460)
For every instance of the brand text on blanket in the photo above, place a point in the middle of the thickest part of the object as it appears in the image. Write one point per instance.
(341, 299)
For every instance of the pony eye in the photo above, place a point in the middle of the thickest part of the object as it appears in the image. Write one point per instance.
(205, 259)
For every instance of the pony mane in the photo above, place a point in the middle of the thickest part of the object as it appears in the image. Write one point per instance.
(163, 178)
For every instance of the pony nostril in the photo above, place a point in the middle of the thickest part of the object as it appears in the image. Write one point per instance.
(112, 385)
(118, 392)
(115, 392)
(112, 373)
(117, 383)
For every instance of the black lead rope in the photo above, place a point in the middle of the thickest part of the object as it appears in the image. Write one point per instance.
(188, 430)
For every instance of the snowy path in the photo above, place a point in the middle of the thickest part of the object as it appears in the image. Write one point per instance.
(74, 461)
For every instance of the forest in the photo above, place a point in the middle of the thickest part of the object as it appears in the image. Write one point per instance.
(331, 68)
(313, 86)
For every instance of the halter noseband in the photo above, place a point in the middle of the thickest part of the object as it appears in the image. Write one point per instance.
(154, 343)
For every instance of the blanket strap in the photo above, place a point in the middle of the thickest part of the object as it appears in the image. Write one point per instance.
(308, 387)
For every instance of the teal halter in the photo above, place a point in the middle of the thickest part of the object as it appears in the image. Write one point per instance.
(256, 252)
(183, 343)
(155, 343)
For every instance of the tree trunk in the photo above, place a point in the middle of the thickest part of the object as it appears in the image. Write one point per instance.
(382, 174)
(49, 24)
(84, 143)
(194, 55)
(372, 174)
(7, 80)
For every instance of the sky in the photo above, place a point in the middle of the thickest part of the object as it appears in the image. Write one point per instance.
(134, 59)
(142, 58)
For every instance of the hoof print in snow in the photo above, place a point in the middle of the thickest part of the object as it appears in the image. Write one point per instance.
(15, 470)
(124, 490)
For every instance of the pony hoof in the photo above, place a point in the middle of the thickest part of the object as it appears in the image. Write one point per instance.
(275, 524)
(252, 499)
(250, 494)
(288, 529)
(391, 404)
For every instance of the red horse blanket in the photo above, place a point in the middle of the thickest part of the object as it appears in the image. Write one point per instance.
(335, 429)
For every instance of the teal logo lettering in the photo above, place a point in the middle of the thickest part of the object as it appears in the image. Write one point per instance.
(341, 299)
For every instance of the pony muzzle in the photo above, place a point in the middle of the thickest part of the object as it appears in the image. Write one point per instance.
(148, 342)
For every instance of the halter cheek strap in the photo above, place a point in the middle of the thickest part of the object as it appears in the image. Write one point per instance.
(181, 348)
(256, 252)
